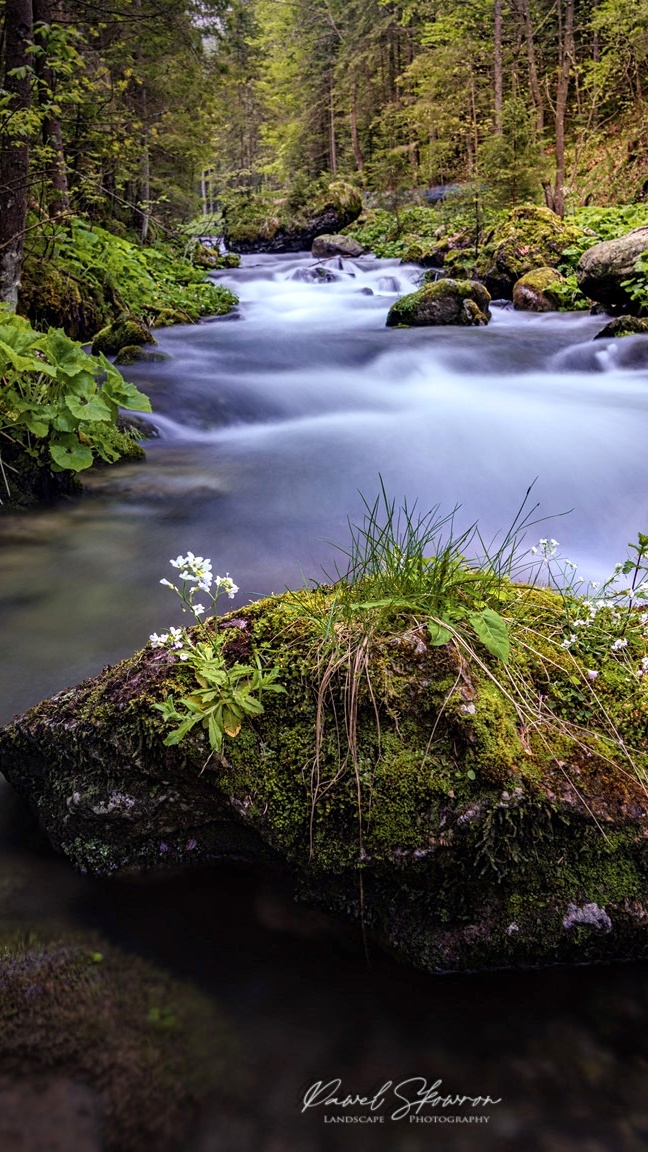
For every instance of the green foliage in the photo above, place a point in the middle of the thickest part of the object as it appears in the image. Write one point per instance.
(390, 234)
(128, 277)
(226, 695)
(511, 163)
(637, 287)
(56, 402)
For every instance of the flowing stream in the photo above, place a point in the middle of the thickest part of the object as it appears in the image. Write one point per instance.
(272, 422)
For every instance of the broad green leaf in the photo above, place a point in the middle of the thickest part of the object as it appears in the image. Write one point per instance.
(126, 395)
(493, 632)
(70, 455)
(91, 409)
(438, 634)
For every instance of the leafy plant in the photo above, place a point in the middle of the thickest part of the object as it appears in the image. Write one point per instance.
(226, 694)
(58, 403)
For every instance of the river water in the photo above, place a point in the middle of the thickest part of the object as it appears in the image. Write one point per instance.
(272, 425)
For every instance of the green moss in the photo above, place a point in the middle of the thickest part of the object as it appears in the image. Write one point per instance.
(263, 221)
(539, 291)
(127, 331)
(624, 326)
(447, 301)
(531, 237)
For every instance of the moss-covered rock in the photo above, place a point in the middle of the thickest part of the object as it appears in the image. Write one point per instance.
(463, 302)
(332, 245)
(535, 292)
(126, 331)
(51, 297)
(603, 268)
(530, 238)
(462, 836)
(624, 326)
(146, 1048)
(279, 224)
(132, 353)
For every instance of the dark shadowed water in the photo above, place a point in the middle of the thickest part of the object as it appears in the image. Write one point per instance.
(271, 423)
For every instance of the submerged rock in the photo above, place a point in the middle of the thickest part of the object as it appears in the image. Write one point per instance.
(624, 326)
(128, 330)
(336, 245)
(603, 268)
(463, 302)
(115, 1052)
(461, 838)
(531, 237)
(535, 292)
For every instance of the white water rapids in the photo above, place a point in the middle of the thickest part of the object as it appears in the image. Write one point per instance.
(272, 422)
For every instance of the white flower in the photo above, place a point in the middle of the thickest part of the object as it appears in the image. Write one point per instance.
(591, 674)
(158, 641)
(572, 640)
(183, 656)
(197, 609)
(168, 584)
(226, 584)
(618, 644)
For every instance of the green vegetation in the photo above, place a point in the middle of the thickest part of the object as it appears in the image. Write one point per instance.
(58, 405)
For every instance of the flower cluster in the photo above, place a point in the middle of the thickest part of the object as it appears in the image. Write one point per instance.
(196, 575)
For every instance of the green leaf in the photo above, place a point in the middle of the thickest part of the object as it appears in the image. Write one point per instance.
(90, 409)
(438, 634)
(70, 455)
(492, 630)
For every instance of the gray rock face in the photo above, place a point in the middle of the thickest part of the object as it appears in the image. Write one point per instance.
(336, 245)
(603, 268)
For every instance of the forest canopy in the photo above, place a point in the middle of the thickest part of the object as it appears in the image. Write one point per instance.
(142, 113)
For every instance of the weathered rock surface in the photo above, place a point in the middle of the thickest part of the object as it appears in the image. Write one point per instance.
(477, 843)
(530, 238)
(534, 292)
(325, 246)
(624, 326)
(276, 226)
(463, 302)
(603, 268)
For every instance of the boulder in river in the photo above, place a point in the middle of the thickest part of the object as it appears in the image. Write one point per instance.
(127, 330)
(624, 326)
(109, 1048)
(603, 268)
(531, 237)
(535, 291)
(463, 302)
(422, 803)
(276, 225)
(332, 245)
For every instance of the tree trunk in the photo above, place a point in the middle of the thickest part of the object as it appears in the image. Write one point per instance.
(357, 153)
(332, 141)
(14, 147)
(498, 77)
(565, 62)
(46, 12)
(534, 84)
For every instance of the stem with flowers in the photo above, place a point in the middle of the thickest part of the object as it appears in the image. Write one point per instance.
(224, 695)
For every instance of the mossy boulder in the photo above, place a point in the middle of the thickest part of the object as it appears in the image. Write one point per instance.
(83, 1023)
(332, 245)
(602, 269)
(51, 297)
(281, 224)
(463, 302)
(126, 331)
(133, 353)
(624, 326)
(167, 317)
(531, 237)
(211, 258)
(461, 835)
(535, 292)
